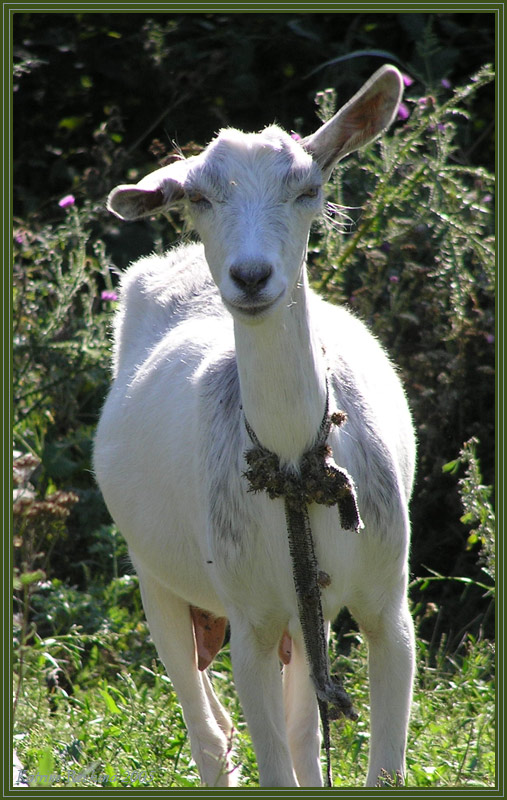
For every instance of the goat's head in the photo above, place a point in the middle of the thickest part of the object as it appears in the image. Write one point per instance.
(252, 197)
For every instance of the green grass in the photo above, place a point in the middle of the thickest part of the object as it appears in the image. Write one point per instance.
(122, 725)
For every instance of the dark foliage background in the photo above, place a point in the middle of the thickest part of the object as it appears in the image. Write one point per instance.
(97, 89)
(98, 100)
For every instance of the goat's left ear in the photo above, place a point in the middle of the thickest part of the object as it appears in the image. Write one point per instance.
(360, 121)
(156, 192)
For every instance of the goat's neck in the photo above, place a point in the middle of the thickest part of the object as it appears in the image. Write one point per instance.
(282, 377)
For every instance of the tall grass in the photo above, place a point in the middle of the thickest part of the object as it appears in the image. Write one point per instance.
(118, 723)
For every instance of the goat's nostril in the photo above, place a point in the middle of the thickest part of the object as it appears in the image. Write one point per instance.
(251, 276)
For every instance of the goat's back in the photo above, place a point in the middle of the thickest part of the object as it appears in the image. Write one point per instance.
(156, 294)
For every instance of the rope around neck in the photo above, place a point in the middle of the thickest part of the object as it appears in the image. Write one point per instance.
(317, 480)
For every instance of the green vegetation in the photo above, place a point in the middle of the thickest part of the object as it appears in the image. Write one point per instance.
(122, 726)
(92, 706)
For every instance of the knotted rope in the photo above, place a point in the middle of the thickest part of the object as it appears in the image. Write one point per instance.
(317, 480)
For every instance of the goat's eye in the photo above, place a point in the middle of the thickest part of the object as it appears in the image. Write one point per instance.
(197, 198)
(309, 193)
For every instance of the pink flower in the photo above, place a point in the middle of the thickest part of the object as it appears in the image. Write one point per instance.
(112, 296)
(407, 80)
(295, 136)
(403, 112)
(67, 201)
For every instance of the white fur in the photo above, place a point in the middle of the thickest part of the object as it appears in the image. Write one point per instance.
(191, 357)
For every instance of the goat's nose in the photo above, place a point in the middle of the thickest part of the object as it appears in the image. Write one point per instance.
(251, 276)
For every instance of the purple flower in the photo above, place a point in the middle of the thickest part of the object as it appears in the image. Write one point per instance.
(67, 201)
(112, 296)
(393, 279)
(490, 338)
(295, 136)
(407, 80)
(403, 112)
(446, 83)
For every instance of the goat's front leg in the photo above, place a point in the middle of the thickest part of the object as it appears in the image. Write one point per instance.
(391, 659)
(258, 681)
(209, 726)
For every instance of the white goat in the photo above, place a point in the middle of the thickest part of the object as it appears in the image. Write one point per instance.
(194, 355)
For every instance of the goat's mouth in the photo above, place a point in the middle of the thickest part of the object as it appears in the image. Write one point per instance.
(253, 308)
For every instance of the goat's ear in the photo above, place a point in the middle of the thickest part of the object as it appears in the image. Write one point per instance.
(157, 192)
(360, 121)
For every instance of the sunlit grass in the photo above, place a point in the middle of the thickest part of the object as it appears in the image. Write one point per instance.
(126, 728)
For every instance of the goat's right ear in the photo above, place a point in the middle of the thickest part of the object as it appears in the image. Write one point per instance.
(359, 122)
(157, 192)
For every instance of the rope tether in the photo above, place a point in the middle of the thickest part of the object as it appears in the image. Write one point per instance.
(317, 480)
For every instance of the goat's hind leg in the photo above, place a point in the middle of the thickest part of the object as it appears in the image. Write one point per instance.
(302, 715)
(209, 727)
(254, 655)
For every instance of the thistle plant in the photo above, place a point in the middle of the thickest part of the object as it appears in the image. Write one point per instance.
(478, 513)
(417, 169)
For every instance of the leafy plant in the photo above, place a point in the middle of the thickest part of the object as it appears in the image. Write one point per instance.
(478, 511)
(60, 339)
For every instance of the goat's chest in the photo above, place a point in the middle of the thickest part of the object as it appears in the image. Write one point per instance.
(247, 531)
(254, 570)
